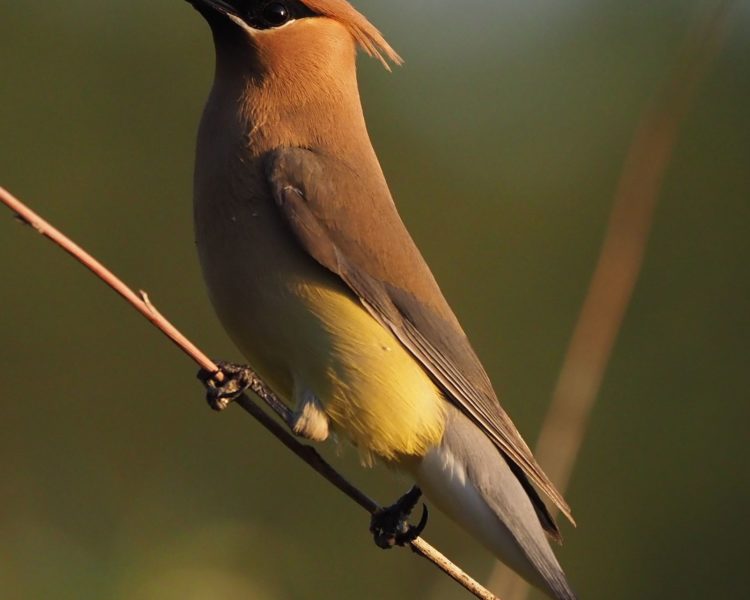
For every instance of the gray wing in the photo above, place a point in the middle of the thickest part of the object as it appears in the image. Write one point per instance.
(347, 222)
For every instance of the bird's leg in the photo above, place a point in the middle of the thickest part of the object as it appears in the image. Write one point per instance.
(221, 392)
(390, 525)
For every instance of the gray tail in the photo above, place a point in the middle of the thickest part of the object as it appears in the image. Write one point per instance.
(469, 479)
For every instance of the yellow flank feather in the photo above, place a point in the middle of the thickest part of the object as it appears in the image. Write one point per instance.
(371, 388)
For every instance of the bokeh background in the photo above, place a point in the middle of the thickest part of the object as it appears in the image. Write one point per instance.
(503, 138)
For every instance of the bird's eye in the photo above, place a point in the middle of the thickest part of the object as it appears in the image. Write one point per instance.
(275, 14)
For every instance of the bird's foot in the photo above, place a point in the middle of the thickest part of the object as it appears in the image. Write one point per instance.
(390, 525)
(222, 391)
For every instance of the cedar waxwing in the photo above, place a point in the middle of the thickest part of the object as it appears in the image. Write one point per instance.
(317, 281)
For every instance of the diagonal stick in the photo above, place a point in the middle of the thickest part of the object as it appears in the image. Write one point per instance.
(619, 265)
(307, 453)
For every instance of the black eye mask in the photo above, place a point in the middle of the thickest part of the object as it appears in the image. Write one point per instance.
(272, 13)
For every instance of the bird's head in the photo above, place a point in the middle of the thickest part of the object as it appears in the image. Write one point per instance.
(275, 34)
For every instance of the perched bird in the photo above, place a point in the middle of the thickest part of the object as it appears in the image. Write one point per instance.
(317, 281)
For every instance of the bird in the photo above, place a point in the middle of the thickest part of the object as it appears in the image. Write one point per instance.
(317, 281)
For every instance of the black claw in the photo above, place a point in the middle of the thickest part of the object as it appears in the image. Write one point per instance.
(416, 530)
(220, 393)
(390, 525)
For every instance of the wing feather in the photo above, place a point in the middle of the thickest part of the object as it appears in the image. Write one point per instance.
(308, 190)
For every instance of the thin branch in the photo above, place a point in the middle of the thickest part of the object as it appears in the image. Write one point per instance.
(307, 453)
(619, 265)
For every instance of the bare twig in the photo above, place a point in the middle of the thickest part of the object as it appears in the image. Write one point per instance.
(307, 453)
(618, 268)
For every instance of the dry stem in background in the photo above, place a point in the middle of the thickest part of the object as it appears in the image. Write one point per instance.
(307, 453)
(617, 271)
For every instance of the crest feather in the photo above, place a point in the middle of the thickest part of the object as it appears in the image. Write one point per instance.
(365, 33)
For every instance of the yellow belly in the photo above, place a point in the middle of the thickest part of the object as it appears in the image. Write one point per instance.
(314, 334)
(302, 329)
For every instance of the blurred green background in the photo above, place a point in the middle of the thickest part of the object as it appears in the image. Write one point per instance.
(503, 137)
